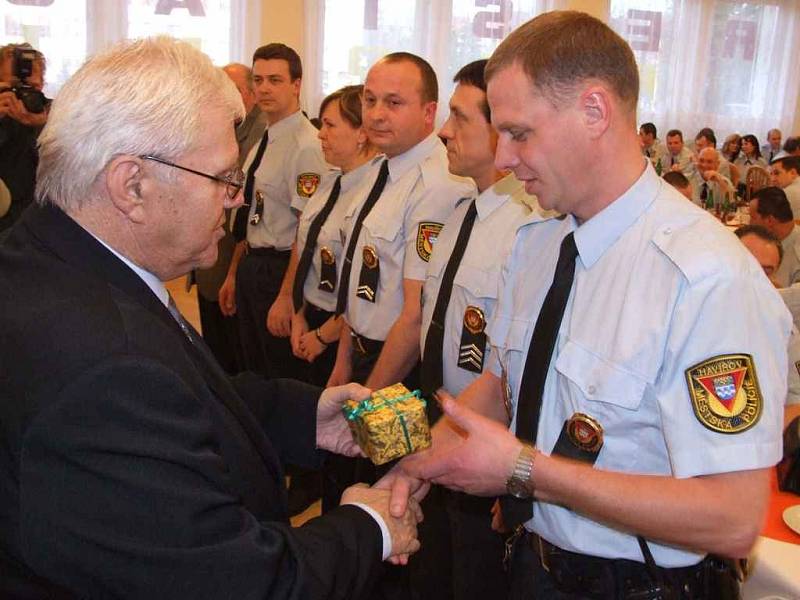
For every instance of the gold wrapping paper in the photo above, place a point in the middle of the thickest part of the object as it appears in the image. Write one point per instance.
(389, 424)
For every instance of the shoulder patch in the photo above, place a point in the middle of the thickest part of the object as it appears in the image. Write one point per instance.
(427, 232)
(307, 184)
(725, 394)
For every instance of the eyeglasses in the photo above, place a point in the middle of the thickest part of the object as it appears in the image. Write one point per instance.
(234, 181)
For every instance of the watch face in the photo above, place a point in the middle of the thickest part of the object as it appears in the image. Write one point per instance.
(518, 489)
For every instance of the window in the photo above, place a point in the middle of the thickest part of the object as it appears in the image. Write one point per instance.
(67, 31)
(351, 35)
(725, 64)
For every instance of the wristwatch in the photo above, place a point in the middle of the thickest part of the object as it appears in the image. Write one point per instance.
(519, 484)
(318, 334)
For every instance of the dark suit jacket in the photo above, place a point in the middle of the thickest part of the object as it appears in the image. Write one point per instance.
(130, 465)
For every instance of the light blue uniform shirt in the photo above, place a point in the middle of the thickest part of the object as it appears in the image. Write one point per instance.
(659, 287)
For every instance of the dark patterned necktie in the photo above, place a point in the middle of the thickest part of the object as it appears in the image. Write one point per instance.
(432, 374)
(347, 267)
(537, 364)
(240, 224)
(307, 256)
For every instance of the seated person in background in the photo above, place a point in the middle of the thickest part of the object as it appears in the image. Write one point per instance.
(768, 252)
(705, 138)
(770, 208)
(708, 180)
(773, 145)
(679, 157)
(750, 156)
(22, 115)
(732, 147)
(784, 174)
(652, 147)
(679, 181)
(791, 147)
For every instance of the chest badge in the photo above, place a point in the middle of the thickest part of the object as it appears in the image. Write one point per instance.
(370, 272)
(472, 348)
(255, 218)
(725, 393)
(327, 276)
(585, 432)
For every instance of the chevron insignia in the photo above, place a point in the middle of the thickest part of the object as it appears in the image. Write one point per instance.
(365, 292)
(470, 357)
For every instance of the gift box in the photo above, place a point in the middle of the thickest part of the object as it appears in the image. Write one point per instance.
(389, 424)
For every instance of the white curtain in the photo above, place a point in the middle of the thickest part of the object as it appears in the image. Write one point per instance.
(68, 31)
(725, 64)
(343, 38)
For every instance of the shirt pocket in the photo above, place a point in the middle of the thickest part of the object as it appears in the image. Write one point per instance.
(478, 282)
(384, 227)
(600, 380)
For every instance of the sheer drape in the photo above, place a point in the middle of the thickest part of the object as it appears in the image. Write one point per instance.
(344, 37)
(725, 64)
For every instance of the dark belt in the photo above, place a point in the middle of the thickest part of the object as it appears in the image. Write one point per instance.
(597, 577)
(366, 346)
(271, 252)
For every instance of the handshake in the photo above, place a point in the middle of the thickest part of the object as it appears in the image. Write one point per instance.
(333, 434)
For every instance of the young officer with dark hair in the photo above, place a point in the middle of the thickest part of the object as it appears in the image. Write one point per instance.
(642, 423)
(459, 296)
(283, 172)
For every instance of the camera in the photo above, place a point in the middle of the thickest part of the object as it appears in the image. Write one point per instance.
(22, 60)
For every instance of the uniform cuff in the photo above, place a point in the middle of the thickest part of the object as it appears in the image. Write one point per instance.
(387, 537)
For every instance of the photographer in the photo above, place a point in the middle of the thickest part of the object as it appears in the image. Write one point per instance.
(23, 113)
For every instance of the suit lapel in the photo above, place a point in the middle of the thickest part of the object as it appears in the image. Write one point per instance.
(74, 245)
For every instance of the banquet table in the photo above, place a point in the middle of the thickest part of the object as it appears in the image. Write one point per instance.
(774, 571)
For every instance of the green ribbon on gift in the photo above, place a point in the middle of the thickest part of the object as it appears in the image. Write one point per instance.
(371, 404)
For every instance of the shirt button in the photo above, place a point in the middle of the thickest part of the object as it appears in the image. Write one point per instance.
(667, 231)
(591, 390)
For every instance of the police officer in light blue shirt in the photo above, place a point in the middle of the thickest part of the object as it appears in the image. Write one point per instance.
(645, 419)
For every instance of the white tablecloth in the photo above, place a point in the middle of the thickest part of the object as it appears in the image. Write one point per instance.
(774, 571)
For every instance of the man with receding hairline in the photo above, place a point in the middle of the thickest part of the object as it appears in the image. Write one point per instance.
(642, 425)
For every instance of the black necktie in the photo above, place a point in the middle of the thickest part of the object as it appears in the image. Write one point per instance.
(704, 192)
(537, 363)
(432, 374)
(240, 224)
(374, 194)
(311, 243)
(673, 161)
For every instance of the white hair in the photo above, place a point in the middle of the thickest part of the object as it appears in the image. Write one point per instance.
(141, 97)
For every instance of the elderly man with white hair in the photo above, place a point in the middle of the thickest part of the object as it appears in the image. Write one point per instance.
(131, 465)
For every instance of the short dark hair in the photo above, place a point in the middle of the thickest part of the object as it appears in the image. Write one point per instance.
(772, 202)
(281, 52)
(676, 179)
(561, 50)
(649, 129)
(707, 133)
(791, 144)
(674, 132)
(789, 163)
(761, 232)
(349, 98)
(472, 74)
(430, 85)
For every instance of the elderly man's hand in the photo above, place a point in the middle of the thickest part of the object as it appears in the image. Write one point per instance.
(479, 462)
(333, 433)
(402, 529)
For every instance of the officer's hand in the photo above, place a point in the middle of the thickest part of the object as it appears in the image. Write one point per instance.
(402, 530)
(403, 487)
(310, 346)
(7, 100)
(299, 328)
(341, 373)
(479, 462)
(279, 317)
(676, 167)
(227, 297)
(333, 433)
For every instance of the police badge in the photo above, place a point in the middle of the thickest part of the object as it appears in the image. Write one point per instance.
(327, 276)
(472, 349)
(370, 272)
(725, 393)
(307, 184)
(427, 232)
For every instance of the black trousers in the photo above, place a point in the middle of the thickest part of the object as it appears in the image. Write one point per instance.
(221, 333)
(258, 282)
